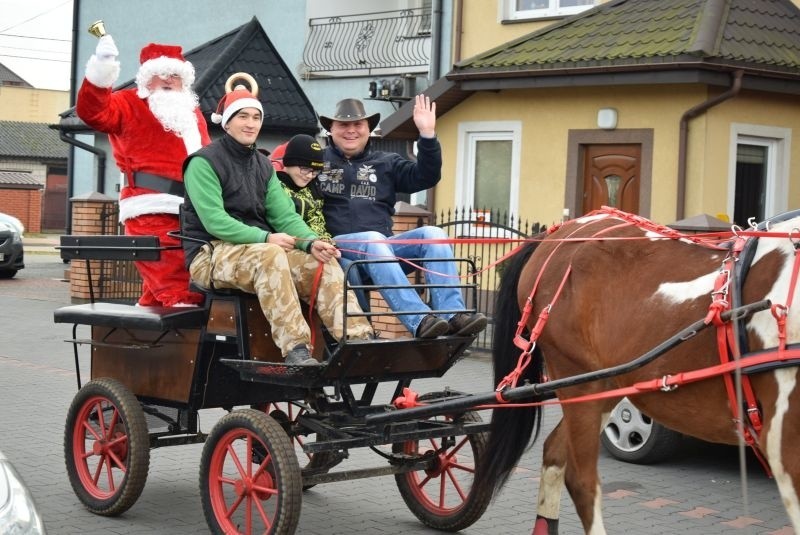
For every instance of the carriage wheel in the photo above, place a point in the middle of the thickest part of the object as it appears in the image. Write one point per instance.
(443, 496)
(106, 447)
(249, 477)
(287, 414)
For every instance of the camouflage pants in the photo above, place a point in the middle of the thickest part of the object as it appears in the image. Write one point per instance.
(280, 279)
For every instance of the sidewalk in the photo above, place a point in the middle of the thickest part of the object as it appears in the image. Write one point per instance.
(40, 243)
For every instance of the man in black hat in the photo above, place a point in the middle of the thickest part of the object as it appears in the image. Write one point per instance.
(359, 187)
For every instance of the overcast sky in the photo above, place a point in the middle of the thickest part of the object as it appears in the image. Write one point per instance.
(35, 41)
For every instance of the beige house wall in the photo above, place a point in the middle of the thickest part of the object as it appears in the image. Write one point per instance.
(548, 115)
(710, 145)
(483, 27)
(32, 105)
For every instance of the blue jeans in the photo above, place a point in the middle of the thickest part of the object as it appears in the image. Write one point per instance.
(363, 247)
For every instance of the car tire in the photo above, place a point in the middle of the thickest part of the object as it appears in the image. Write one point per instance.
(7, 273)
(633, 437)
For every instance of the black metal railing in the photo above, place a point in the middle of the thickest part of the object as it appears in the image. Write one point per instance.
(121, 282)
(385, 40)
(118, 281)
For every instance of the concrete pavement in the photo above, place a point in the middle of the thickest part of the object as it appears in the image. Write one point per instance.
(698, 492)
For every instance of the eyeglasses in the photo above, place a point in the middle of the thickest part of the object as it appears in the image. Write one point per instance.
(309, 171)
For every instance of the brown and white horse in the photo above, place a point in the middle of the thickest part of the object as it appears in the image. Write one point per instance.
(619, 297)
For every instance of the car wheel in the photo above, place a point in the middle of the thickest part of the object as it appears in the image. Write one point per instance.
(633, 437)
(7, 273)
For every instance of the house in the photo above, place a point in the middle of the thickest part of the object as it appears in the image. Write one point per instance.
(246, 48)
(33, 161)
(303, 54)
(665, 108)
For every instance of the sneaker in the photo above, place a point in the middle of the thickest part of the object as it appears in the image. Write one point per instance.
(431, 326)
(300, 356)
(465, 324)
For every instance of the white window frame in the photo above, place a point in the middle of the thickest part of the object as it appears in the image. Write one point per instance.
(778, 141)
(509, 11)
(469, 133)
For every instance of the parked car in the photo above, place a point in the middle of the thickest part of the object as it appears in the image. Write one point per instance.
(18, 513)
(11, 254)
(634, 437)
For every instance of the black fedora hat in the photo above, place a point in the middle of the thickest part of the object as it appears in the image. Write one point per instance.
(349, 110)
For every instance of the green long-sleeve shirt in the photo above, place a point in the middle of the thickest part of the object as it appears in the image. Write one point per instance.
(203, 187)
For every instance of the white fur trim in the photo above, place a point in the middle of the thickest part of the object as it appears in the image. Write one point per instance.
(191, 140)
(240, 104)
(149, 203)
(162, 66)
(102, 72)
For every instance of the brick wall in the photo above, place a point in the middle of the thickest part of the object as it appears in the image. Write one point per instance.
(88, 218)
(25, 204)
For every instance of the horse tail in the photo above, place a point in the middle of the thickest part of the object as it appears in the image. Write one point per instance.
(510, 429)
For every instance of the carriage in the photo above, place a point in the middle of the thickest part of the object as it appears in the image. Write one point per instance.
(701, 336)
(285, 429)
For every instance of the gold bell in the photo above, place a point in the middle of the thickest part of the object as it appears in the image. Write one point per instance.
(97, 29)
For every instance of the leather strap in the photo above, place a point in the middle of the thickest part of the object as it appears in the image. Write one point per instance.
(157, 183)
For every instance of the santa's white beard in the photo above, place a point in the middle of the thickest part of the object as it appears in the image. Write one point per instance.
(175, 110)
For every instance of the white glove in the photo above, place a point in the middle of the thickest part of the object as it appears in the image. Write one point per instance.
(106, 49)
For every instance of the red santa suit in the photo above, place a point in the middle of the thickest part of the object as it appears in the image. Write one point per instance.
(151, 158)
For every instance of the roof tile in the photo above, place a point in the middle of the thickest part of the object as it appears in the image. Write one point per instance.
(764, 34)
(30, 140)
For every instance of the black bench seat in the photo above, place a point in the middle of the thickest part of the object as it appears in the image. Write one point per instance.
(131, 317)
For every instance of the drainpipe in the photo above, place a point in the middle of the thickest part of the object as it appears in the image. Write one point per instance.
(101, 158)
(436, 41)
(691, 113)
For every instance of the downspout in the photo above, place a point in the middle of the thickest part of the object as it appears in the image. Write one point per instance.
(691, 113)
(436, 41)
(73, 84)
(101, 158)
(433, 75)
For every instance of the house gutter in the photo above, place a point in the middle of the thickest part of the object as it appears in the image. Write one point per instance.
(691, 113)
(101, 159)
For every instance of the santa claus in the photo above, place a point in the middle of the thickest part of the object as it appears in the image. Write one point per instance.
(151, 128)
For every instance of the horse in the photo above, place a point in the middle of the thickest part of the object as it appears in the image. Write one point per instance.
(612, 286)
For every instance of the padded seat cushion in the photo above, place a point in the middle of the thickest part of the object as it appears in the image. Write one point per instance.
(131, 317)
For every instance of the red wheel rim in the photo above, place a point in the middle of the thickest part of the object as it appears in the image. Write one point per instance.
(100, 447)
(242, 483)
(443, 489)
(292, 412)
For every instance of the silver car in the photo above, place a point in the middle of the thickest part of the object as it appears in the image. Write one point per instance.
(18, 513)
(11, 255)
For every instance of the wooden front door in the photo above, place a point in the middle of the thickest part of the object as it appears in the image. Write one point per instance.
(611, 177)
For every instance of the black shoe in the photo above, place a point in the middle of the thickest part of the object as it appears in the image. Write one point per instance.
(431, 327)
(300, 356)
(465, 324)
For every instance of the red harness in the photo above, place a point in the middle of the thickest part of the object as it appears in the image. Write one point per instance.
(727, 345)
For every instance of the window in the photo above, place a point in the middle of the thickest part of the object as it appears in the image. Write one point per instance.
(488, 166)
(532, 9)
(758, 177)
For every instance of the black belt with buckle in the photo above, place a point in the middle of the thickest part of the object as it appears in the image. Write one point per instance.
(158, 183)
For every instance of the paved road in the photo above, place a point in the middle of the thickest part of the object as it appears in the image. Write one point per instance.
(699, 492)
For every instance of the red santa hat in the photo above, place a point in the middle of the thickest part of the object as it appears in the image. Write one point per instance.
(232, 102)
(163, 61)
